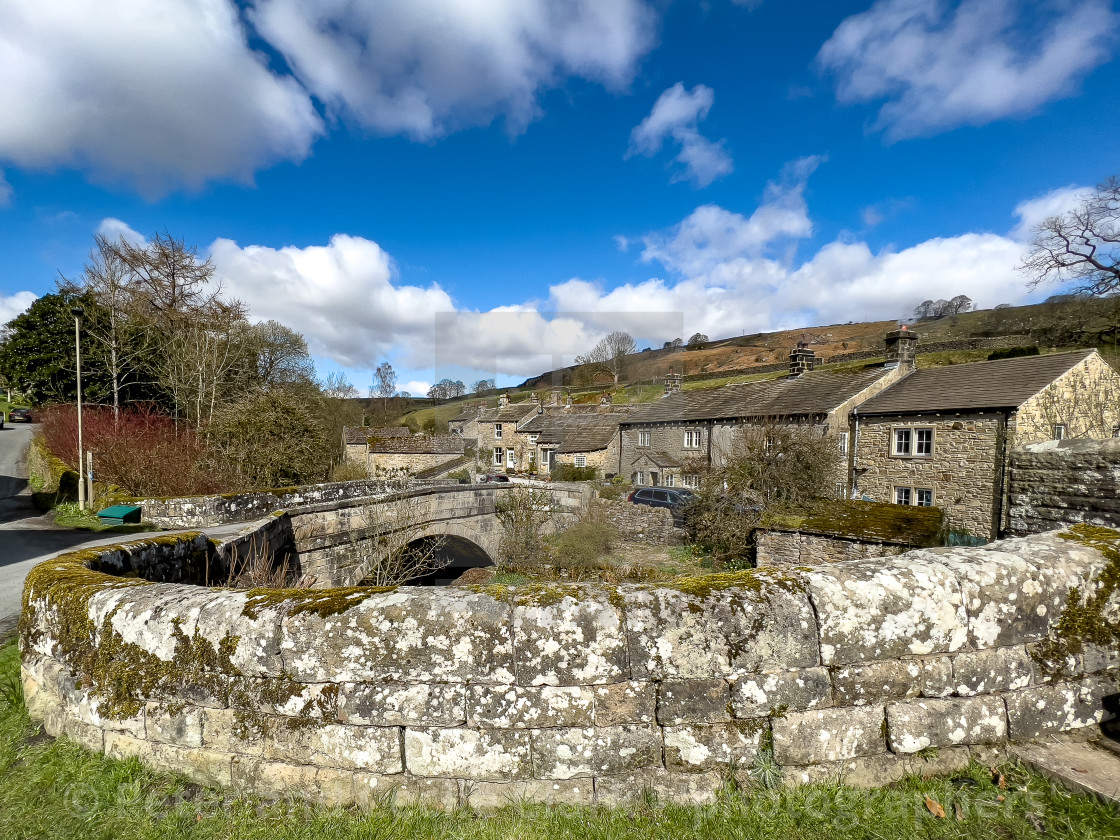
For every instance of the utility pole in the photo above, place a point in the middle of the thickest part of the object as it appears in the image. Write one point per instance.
(78, 312)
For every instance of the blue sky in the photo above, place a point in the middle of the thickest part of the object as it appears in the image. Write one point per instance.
(474, 189)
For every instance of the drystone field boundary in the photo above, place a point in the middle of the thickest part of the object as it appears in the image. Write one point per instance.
(570, 693)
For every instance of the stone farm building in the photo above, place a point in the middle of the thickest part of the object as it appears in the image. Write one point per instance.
(355, 439)
(673, 441)
(942, 436)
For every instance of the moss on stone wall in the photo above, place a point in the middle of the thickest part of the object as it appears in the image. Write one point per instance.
(1087, 617)
(866, 521)
(321, 602)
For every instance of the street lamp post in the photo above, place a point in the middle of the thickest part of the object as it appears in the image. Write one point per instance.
(78, 312)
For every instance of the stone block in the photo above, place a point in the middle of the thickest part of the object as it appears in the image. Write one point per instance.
(316, 701)
(990, 670)
(576, 638)
(410, 635)
(878, 770)
(275, 779)
(873, 683)
(483, 755)
(224, 616)
(758, 695)
(825, 735)
(693, 701)
(85, 707)
(1016, 591)
(869, 610)
(86, 734)
(206, 767)
(742, 623)
(660, 785)
(495, 795)
(627, 702)
(919, 724)
(695, 749)
(523, 707)
(1060, 707)
(593, 751)
(334, 788)
(372, 790)
(398, 704)
(1096, 658)
(223, 731)
(937, 676)
(176, 726)
(373, 749)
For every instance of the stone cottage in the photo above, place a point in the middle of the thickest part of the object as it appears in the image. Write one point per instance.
(413, 455)
(673, 441)
(577, 435)
(355, 439)
(501, 444)
(942, 436)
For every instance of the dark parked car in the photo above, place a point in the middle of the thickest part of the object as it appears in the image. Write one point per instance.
(674, 498)
(494, 478)
(22, 415)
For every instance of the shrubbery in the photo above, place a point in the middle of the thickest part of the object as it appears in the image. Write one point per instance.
(567, 472)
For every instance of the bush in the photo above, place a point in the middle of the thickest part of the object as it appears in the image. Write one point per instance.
(349, 470)
(1012, 353)
(462, 476)
(584, 543)
(614, 492)
(566, 472)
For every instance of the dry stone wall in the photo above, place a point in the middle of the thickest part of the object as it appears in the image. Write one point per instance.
(797, 548)
(640, 523)
(1060, 483)
(566, 693)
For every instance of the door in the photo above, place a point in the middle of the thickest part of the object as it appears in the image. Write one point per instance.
(511, 460)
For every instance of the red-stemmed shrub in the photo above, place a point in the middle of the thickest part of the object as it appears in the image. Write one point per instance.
(140, 450)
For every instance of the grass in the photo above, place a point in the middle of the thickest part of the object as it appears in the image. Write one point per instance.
(56, 789)
(69, 515)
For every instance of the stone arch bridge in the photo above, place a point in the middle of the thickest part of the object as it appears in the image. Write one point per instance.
(330, 541)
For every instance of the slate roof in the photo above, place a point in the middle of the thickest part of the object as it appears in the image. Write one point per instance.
(657, 458)
(512, 413)
(816, 392)
(358, 435)
(1004, 383)
(419, 445)
(584, 431)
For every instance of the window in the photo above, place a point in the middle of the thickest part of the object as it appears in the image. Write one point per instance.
(923, 497)
(497, 431)
(1059, 431)
(844, 443)
(901, 442)
(902, 495)
(498, 456)
(912, 443)
(690, 480)
(532, 440)
(692, 439)
(581, 460)
(670, 480)
(840, 494)
(639, 478)
(643, 438)
(923, 442)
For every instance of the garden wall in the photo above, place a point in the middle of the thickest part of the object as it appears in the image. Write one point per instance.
(797, 548)
(570, 693)
(640, 523)
(1058, 483)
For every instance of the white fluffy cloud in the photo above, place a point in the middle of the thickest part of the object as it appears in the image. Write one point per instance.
(676, 115)
(13, 305)
(156, 94)
(115, 230)
(939, 67)
(423, 67)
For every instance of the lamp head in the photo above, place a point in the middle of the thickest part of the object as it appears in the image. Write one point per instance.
(77, 311)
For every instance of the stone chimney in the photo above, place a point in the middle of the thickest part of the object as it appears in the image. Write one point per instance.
(554, 397)
(672, 383)
(902, 348)
(801, 359)
(568, 401)
(503, 400)
(606, 399)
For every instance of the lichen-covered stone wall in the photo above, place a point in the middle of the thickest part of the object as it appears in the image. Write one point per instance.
(640, 523)
(575, 693)
(1059, 483)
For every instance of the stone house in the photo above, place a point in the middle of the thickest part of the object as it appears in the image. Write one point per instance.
(500, 441)
(392, 456)
(942, 436)
(577, 435)
(673, 441)
(355, 439)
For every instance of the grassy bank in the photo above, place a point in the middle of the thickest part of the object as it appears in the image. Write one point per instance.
(55, 789)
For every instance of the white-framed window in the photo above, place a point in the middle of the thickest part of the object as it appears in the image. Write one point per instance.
(690, 480)
(670, 480)
(532, 440)
(511, 459)
(902, 495)
(923, 497)
(497, 431)
(844, 443)
(1059, 431)
(643, 438)
(498, 455)
(840, 494)
(692, 439)
(912, 442)
(581, 460)
(639, 477)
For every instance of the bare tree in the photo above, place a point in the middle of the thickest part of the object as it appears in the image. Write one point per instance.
(1081, 246)
(522, 512)
(386, 539)
(484, 386)
(281, 355)
(610, 354)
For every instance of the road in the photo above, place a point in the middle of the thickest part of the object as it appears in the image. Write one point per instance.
(26, 536)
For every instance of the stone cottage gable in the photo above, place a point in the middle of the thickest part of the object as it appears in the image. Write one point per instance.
(1084, 402)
